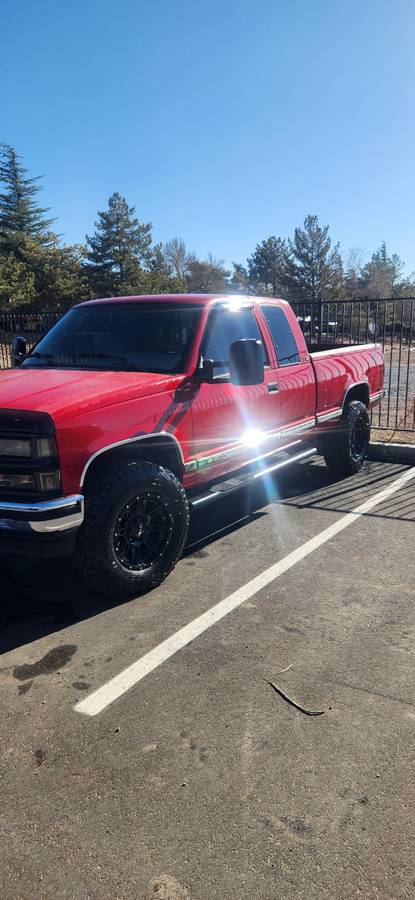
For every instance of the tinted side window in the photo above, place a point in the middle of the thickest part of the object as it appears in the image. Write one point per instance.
(282, 336)
(225, 327)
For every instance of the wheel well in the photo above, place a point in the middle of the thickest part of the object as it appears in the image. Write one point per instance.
(357, 392)
(159, 449)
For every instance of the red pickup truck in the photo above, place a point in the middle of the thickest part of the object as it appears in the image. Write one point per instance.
(131, 410)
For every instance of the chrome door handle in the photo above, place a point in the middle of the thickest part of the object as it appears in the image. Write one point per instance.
(273, 387)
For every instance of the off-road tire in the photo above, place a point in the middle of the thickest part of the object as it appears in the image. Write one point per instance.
(96, 555)
(345, 447)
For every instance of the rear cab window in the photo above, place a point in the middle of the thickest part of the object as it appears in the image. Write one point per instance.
(223, 328)
(282, 336)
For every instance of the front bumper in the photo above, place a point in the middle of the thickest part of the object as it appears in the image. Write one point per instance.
(44, 528)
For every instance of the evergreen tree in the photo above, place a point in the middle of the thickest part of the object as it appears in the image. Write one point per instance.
(206, 276)
(118, 250)
(19, 214)
(17, 282)
(51, 276)
(314, 270)
(382, 275)
(353, 273)
(161, 279)
(60, 277)
(267, 267)
(240, 283)
(34, 268)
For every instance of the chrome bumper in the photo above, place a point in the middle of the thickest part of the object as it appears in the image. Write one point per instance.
(46, 517)
(374, 399)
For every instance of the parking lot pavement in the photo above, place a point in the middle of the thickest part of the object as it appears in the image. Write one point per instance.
(200, 781)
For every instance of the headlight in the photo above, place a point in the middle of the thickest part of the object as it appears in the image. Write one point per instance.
(29, 464)
(38, 481)
(17, 481)
(15, 447)
(40, 448)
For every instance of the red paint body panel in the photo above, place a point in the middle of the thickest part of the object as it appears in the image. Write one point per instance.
(65, 393)
(80, 437)
(337, 371)
(93, 410)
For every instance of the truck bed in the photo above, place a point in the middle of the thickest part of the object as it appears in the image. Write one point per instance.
(338, 369)
(337, 348)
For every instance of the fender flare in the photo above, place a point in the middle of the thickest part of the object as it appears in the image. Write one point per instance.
(165, 435)
(352, 387)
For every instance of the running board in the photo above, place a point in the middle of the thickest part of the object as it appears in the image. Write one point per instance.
(234, 484)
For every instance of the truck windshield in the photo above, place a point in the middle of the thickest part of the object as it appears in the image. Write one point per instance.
(140, 337)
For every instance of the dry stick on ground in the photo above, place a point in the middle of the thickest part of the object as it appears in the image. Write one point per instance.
(284, 670)
(307, 712)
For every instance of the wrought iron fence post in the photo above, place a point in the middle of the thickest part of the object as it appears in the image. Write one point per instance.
(320, 321)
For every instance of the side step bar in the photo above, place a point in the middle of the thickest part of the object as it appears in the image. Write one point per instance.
(234, 484)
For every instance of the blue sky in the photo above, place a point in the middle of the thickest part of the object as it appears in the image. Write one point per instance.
(223, 122)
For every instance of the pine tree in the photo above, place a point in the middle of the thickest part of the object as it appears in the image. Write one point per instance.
(314, 269)
(382, 275)
(161, 279)
(60, 278)
(118, 250)
(34, 268)
(267, 267)
(19, 214)
(17, 282)
(51, 276)
(240, 283)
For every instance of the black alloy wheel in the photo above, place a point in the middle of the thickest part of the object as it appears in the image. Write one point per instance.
(142, 531)
(345, 445)
(135, 527)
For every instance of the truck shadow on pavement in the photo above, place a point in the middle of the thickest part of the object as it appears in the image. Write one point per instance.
(41, 597)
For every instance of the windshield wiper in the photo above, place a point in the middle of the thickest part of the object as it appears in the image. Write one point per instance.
(39, 355)
(109, 356)
(49, 357)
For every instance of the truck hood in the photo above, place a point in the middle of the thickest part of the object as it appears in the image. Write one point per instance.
(66, 392)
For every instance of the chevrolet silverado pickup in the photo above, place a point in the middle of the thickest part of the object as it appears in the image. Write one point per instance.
(132, 410)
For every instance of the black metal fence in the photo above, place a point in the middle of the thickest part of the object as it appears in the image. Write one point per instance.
(391, 323)
(339, 323)
(30, 325)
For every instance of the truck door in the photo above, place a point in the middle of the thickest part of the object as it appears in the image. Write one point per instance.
(294, 373)
(228, 420)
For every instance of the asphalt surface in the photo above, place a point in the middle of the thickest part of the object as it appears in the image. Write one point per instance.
(201, 781)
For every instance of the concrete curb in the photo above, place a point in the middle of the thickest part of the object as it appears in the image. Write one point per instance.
(404, 453)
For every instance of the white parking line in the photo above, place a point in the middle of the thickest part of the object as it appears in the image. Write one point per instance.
(116, 687)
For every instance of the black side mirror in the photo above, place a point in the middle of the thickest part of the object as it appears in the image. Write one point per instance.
(246, 362)
(19, 350)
